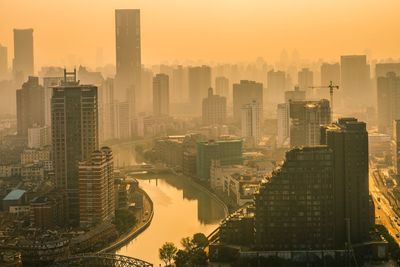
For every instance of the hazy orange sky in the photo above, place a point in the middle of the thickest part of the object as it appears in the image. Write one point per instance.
(210, 30)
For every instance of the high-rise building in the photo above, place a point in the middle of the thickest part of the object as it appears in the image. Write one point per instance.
(96, 188)
(251, 114)
(382, 69)
(306, 117)
(214, 109)
(30, 106)
(222, 86)
(23, 54)
(305, 79)
(355, 81)
(395, 145)
(295, 95)
(161, 95)
(128, 57)
(329, 72)
(294, 210)
(3, 62)
(348, 138)
(228, 152)
(283, 125)
(388, 93)
(74, 110)
(123, 120)
(179, 82)
(107, 107)
(276, 86)
(199, 82)
(48, 84)
(245, 93)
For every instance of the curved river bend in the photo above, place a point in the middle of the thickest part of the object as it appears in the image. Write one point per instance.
(180, 210)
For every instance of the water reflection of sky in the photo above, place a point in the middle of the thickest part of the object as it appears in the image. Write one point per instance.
(180, 210)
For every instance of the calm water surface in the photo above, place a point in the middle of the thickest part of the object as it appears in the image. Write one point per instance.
(180, 210)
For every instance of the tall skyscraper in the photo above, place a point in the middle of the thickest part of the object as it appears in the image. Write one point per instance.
(355, 81)
(222, 86)
(23, 54)
(388, 92)
(214, 109)
(128, 56)
(74, 114)
(245, 93)
(3, 62)
(251, 115)
(305, 79)
(179, 82)
(48, 84)
(306, 117)
(348, 138)
(276, 86)
(199, 82)
(30, 106)
(96, 188)
(107, 107)
(294, 210)
(161, 95)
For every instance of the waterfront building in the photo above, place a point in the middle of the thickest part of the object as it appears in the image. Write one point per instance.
(199, 82)
(30, 106)
(348, 139)
(74, 109)
(294, 208)
(23, 64)
(388, 90)
(245, 93)
(161, 95)
(228, 152)
(214, 109)
(96, 189)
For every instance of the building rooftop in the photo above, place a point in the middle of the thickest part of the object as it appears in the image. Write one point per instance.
(15, 194)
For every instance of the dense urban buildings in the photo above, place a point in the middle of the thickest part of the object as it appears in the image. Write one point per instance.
(245, 93)
(74, 110)
(214, 109)
(30, 106)
(250, 123)
(199, 82)
(305, 80)
(161, 95)
(395, 147)
(222, 86)
(23, 62)
(382, 69)
(3, 62)
(388, 94)
(295, 95)
(96, 188)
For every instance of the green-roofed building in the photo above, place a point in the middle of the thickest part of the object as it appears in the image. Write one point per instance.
(228, 152)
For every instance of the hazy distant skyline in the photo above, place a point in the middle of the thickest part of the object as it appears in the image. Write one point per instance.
(208, 30)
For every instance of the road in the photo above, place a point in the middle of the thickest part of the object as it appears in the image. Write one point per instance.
(384, 213)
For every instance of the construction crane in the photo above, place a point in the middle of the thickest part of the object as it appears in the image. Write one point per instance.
(331, 86)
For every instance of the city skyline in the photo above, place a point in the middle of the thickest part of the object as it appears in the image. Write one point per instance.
(206, 31)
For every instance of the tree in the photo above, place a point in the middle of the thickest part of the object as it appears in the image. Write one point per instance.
(167, 252)
(200, 240)
(181, 258)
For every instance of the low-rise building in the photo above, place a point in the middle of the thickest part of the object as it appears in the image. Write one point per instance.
(16, 197)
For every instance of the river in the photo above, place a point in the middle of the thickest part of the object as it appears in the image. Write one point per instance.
(180, 210)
